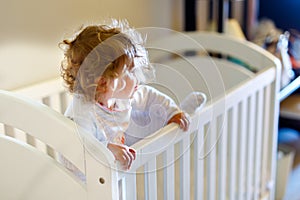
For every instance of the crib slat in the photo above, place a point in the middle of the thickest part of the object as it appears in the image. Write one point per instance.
(2, 129)
(258, 143)
(169, 173)
(14, 133)
(9, 131)
(42, 90)
(150, 180)
(20, 135)
(251, 150)
(266, 129)
(222, 165)
(65, 99)
(233, 153)
(242, 148)
(185, 168)
(211, 159)
(37, 144)
(130, 184)
(53, 102)
(199, 163)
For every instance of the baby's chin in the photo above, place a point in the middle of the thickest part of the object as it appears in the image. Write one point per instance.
(129, 96)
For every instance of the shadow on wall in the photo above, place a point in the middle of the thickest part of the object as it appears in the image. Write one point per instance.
(32, 29)
(23, 64)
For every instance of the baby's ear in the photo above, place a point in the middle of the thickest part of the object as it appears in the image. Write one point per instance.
(102, 84)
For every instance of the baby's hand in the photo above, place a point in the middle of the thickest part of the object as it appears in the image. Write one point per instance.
(124, 154)
(181, 119)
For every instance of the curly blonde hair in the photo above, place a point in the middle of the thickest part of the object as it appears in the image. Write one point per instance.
(95, 51)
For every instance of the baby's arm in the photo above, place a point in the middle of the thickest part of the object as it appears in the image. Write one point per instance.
(159, 104)
(124, 154)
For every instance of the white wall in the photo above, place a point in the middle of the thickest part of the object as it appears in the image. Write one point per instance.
(32, 29)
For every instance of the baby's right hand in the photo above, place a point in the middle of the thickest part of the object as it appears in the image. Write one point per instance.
(181, 119)
(124, 154)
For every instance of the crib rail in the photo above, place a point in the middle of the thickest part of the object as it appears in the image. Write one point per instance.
(223, 155)
(33, 174)
(227, 147)
(180, 43)
(25, 169)
(51, 93)
(262, 103)
(47, 128)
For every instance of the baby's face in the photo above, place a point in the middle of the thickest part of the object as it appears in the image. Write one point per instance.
(123, 86)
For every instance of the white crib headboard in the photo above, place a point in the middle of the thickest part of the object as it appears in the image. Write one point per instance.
(180, 43)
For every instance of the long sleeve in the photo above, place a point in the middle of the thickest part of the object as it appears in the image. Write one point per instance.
(83, 114)
(151, 110)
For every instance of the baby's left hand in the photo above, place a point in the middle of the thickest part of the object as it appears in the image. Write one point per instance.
(181, 119)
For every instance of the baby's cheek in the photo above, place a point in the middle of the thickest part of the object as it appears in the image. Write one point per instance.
(130, 88)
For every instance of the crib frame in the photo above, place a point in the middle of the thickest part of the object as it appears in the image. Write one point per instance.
(241, 164)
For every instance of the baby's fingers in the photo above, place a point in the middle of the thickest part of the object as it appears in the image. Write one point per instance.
(124, 159)
(182, 120)
(133, 152)
(184, 123)
(129, 155)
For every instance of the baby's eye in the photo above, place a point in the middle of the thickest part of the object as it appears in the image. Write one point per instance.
(132, 69)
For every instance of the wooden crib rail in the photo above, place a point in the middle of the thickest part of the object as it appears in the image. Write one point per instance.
(28, 174)
(191, 47)
(181, 43)
(50, 92)
(33, 175)
(224, 155)
(42, 123)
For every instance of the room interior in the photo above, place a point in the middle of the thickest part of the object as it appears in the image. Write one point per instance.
(37, 27)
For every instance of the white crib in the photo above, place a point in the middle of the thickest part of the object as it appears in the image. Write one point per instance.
(229, 151)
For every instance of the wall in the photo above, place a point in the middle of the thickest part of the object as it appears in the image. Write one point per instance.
(32, 29)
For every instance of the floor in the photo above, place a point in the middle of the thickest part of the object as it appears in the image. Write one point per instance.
(293, 185)
(289, 134)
